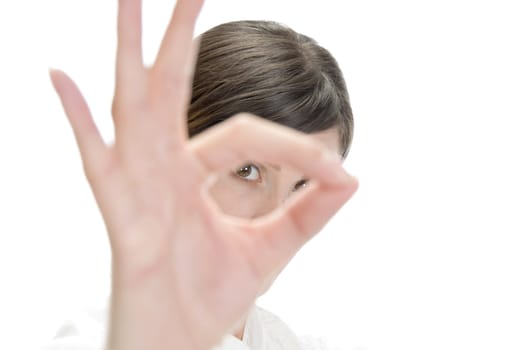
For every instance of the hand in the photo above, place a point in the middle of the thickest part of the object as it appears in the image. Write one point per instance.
(183, 272)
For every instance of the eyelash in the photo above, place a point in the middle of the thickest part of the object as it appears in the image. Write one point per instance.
(300, 184)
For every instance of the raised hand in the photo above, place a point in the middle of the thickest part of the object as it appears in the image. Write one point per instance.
(184, 273)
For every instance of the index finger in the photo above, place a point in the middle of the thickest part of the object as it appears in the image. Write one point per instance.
(273, 239)
(245, 136)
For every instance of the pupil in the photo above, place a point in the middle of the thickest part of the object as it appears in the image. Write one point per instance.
(244, 171)
(300, 184)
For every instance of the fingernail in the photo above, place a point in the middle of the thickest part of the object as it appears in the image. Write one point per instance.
(336, 174)
(344, 176)
(52, 72)
(333, 158)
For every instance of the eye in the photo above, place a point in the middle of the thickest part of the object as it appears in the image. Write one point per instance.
(300, 184)
(249, 172)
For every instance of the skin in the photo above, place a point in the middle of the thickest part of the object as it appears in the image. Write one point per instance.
(151, 189)
(255, 190)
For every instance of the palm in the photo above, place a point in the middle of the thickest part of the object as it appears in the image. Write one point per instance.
(176, 258)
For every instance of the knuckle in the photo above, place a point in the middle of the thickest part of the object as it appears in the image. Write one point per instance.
(114, 107)
(118, 107)
(242, 120)
(167, 80)
(238, 124)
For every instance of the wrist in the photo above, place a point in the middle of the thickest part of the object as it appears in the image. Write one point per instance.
(137, 323)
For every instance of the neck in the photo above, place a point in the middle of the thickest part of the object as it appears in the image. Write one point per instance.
(239, 331)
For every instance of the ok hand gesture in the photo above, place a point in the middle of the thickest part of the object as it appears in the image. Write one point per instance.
(183, 272)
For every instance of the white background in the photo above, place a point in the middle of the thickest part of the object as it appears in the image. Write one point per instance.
(429, 254)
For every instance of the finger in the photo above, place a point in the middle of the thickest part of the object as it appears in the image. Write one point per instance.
(130, 74)
(174, 67)
(129, 61)
(245, 137)
(278, 236)
(177, 40)
(92, 148)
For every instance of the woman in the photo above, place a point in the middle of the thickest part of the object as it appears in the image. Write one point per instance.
(190, 251)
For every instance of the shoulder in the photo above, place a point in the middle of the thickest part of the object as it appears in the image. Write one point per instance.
(264, 331)
(313, 343)
(278, 335)
(82, 331)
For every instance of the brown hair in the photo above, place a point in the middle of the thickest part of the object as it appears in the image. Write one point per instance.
(269, 70)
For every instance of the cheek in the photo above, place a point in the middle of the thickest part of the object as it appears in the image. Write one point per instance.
(235, 197)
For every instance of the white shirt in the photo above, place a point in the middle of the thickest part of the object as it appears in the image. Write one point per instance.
(263, 331)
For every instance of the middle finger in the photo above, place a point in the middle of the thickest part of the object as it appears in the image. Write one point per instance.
(129, 62)
(173, 69)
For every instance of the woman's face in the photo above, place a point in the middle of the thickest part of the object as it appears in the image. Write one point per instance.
(254, 189)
